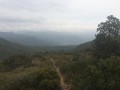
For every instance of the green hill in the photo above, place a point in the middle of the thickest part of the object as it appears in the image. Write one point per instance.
(83, 46)
(8, 48)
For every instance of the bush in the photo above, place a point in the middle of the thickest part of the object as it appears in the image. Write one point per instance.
(38, 79)
(104, 75)
(16, 61)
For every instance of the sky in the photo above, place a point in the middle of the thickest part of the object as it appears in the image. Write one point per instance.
(55, 15)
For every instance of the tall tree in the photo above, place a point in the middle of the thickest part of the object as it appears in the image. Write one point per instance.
(106, 42)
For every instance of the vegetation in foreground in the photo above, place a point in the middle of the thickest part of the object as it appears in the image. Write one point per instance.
(85, 72)
(23, 72)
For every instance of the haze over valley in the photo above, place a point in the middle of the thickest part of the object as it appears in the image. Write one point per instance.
(59, 44)
(47, 38)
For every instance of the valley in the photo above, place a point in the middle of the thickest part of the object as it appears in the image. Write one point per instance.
(30, 63)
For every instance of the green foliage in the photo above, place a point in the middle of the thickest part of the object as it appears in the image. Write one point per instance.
(37, 79)
(9, 49)
(110, 28)
(106, 42)
(16, 61)
(89, 73)
(25, 72)
(104, 75)
(84, 46)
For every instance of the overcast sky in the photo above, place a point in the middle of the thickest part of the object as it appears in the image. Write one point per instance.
(55, 15)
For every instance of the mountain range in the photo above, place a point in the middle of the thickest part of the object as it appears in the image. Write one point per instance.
(47, 38)
(61, 38)
(24, 39)
(12, 43)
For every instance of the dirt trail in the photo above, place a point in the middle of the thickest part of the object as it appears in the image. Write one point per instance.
(63, 84)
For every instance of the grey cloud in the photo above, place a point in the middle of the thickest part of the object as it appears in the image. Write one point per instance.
(62, 15)
(18, 20)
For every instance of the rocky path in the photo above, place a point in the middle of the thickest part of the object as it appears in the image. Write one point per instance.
(63, 84)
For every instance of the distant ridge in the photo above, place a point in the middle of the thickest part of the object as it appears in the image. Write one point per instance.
(61, 38)
(24, 39)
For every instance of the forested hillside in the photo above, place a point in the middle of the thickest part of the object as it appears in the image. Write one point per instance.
(8, 48)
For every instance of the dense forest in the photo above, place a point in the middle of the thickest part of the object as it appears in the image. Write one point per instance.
(94, 65)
